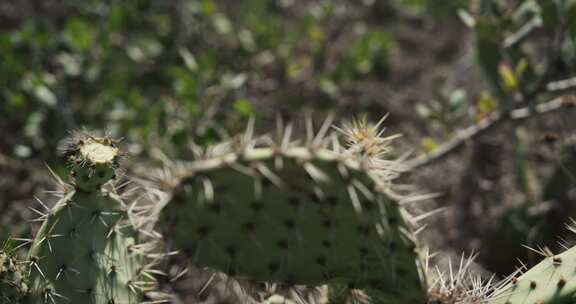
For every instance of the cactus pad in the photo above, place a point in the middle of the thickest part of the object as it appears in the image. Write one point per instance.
(86, 250)
(552, 281)
(299, 215)
(82, 253)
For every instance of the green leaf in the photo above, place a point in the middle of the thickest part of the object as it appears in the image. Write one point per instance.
(428, 144)
(486, 104)
(243, 107)
(78, 34)
(508, 79)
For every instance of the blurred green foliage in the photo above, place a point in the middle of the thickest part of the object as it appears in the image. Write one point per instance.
(151, 71)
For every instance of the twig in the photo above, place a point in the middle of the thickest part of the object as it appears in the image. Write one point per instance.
(488, 124)
(560, 85)
(522, 33)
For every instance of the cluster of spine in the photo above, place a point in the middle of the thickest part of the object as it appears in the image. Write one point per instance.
(13, 285)
(312, 214)
(88, 248)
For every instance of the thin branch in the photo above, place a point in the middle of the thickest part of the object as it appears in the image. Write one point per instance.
(560, 85)
(487, 124)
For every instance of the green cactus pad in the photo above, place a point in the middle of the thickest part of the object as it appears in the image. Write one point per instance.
(84, 253)
(552, 281)
(299, 215)
(87, 249)
(12, 280)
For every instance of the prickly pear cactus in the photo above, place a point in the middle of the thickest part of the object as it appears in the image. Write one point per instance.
(12, 279)
(299, 214)
(86, 251)
(549, 282)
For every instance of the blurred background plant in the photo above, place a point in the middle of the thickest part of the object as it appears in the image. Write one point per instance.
(466, 83)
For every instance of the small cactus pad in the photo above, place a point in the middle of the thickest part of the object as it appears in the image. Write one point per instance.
(12, 282)
(552, 281)
(86, 250)
(84, 253)
(295, 215)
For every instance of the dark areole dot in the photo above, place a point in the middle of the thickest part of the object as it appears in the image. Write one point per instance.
(314, 198)
(326, 244)
(204, 230)
(256, 206)
(392, 220)
(392, 246)
(294, 202)
(327, 223)
(332, 201)
(266, 183)
(189, 180)
(72, 232)
(374, 284)
(321, 260)
(101, 173)
(188, 251)
(273, 267)
(532, 285)
(179, 198)
(364, 230)
(368, 205)
(363, 251)
(283, 244)
(249, 226)
(289, 223)
(215, 208)
(231, 250)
